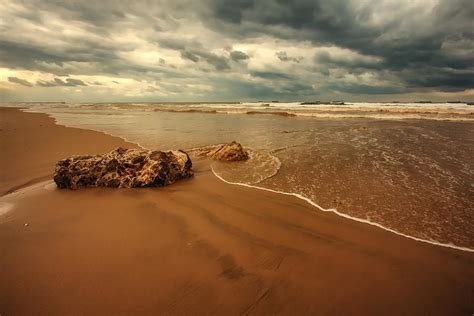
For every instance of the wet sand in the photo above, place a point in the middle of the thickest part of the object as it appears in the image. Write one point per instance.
(31, 144)
(200, 246)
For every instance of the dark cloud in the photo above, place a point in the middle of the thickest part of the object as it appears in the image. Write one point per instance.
(21, 55)
(326, 21)
(17, 55)
(177, 44)
(56, 82)
(237, 55)
(283, 56)
(72, 82)
(300, 89)
(398, 43)
(354, 88)
(443, 80)
(190, 56)
(352, 64)
(20, 81)
(271, 75)
(219, 62)
(235, 89)
(232, 11)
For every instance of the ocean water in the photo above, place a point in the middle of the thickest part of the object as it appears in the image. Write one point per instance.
(406, 167)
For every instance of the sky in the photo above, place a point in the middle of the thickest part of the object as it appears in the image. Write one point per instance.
(236, 50)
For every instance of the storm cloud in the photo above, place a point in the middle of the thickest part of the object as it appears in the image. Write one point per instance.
(237, 49)
(283, 56)
(20, 81)
(238, 55)
(56, 82)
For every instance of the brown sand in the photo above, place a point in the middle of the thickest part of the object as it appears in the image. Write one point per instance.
(31, 144)
(199, 246)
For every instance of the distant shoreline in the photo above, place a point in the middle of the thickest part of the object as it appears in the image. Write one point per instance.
(323, 102)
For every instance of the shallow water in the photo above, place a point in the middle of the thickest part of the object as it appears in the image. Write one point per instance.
(411, 175)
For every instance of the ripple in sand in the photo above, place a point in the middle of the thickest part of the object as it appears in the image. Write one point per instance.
(5, 207)
(50, 186)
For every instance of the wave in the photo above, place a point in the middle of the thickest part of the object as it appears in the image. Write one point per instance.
(387, 111)
(281, 113)
(393, 116)
(186, 111)
(260, 166)
(379, 111)
(335, 211)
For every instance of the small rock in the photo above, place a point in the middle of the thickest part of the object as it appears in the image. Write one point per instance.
(229, 152)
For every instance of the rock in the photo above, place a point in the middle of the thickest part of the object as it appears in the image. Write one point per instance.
(123, 168)
(229, 152)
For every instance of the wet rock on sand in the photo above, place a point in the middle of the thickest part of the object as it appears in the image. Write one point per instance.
(229, 152)
(224, 152)
(123, 168)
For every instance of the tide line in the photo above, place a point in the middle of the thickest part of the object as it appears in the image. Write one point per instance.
(335, 211)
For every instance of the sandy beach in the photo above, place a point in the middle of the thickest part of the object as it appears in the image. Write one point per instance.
(199, 246)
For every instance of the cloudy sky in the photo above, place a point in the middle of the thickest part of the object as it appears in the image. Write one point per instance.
(216, 50)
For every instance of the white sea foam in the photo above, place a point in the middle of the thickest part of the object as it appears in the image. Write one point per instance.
(260, 166)
(377, 110)
(335, 211)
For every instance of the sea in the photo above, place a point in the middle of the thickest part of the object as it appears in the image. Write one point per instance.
(404, 167)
